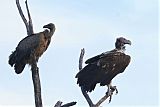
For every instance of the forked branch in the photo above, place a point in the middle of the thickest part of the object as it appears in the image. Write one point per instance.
(34, 68)
(28, 24)
(88, 99)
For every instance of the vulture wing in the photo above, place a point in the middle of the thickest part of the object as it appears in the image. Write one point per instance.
(102, 69)
(23, 52)
(93, 59)
(27, 45)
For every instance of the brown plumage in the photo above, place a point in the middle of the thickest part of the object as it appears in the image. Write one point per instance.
(31, 48)
(104, 67)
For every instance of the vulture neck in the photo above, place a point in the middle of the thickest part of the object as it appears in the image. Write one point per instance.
(121, 49)
(51, 32)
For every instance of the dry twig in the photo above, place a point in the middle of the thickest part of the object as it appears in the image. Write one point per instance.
(59, 104)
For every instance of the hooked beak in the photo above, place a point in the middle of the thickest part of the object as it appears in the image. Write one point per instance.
(45, 26)
(128, 42)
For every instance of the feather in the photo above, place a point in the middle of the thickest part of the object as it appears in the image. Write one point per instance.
(31, 48)
(103, 70)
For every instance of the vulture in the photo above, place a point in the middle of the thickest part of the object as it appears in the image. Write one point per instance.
(104, 67)
(31, 48)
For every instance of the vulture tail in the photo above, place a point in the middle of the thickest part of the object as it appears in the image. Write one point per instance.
(18, 67)
(12, 58)
(18, 64)
(88, 77)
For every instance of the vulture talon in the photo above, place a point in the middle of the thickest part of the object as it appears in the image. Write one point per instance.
(109, 93)
(110, 98)
(114, 88)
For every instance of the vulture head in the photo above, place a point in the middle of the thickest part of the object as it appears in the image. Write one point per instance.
(120, 43)
(50, 26)
(52, 29)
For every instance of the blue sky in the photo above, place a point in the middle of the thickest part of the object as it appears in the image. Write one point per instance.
(90, 24)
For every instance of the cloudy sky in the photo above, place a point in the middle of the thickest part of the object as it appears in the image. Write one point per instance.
(90, 24)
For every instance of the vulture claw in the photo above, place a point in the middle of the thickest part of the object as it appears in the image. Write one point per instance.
(109, 93)
(114, 88)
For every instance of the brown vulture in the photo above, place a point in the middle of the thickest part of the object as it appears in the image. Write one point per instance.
(104, 67)
(31, 48)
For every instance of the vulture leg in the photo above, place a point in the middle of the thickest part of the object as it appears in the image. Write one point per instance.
(109, 92)
(114, 88)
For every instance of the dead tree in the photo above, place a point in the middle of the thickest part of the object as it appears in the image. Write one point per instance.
(34, 68)
(88, 99)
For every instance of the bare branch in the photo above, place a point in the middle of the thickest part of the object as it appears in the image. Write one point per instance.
(102, 100)
(22, 15)
(59, 103)
(81, 58)
(37, 85)
(87, 97)
(30, 25)
(69, 104)
(80, 68)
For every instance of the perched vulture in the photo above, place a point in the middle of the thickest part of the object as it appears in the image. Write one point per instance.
(31, 48)
(104, 67)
